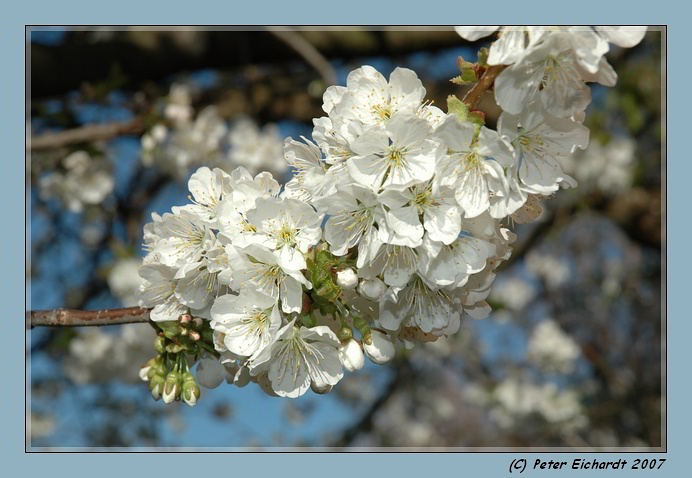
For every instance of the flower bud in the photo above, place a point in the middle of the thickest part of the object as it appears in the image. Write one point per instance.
(160, 344)
(147, 367)
(191, 391)
(172, 386)
(347, 279)
(157, 369)
(156, 384)
(185, 318)
(174, 348)
(194, 335)
(320, 389)
(372, 289)
(351, 356)
(210, 372)
(378, 347)
(144, 372)
(344, 333)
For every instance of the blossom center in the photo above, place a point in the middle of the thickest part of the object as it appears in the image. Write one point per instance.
(384, 112)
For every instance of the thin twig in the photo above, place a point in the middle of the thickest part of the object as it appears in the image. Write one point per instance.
(366, 423)
(84, 134)
(476, 93)
(309, 53)
(74, 317)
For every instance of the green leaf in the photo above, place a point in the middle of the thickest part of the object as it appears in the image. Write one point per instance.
(466, 78)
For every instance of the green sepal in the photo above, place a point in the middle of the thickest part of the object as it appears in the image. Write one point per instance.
(320, 274)
(482, 58)
(457, 107)
(309, 320)
(467, 73)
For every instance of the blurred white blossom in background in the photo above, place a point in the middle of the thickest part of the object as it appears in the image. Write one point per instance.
(81, 181)
(551, 269)
(124, 280)
(608, 167)
(516, 400)
(551, 348)
(256, 149)
(514, 292)
(187, 142)
(100, 356)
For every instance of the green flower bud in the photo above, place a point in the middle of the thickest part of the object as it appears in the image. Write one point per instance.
(172, 386)
(191, 391)
(156, 385)
(157, 369)
(367, 335)
(160, 344)
(145, 370)
(174, 348)
(344, 333)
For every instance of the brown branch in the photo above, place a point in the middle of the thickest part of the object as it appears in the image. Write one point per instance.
(476, 93)
(74, 317)
(309, 53)
(84, 134)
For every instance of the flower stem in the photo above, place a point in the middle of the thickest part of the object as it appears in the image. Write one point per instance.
(476, 93)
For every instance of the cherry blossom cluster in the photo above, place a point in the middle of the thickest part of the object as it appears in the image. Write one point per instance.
(389, 231)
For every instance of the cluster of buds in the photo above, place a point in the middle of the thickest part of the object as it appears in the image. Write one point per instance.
(168, 372)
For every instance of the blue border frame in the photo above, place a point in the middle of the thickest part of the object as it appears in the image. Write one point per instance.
(355, 12)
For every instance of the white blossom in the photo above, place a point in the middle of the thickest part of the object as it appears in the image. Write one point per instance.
(381, 349)
(286, 225)
(353, 211)
(299, 357)
(269, 272)
(473, 170)
(539, 140)
(552, 74)
(249, 321)
(370, 99)
(158, 291)
(399, 155)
